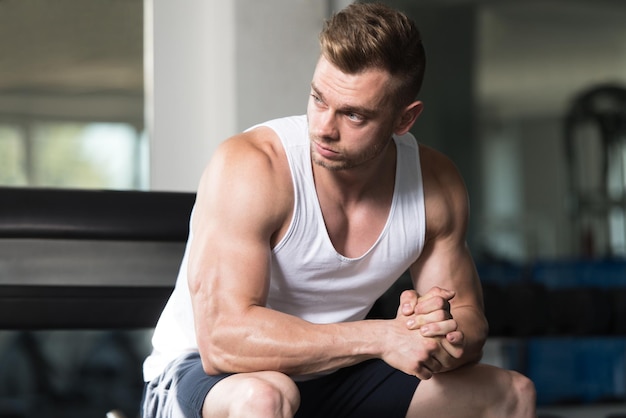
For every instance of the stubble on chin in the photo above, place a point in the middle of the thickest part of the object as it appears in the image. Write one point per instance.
(327, 164)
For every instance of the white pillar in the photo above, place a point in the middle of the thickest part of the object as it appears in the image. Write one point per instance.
(219, 67)
(193, 89)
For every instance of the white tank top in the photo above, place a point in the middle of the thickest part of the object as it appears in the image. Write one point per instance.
(309, 278)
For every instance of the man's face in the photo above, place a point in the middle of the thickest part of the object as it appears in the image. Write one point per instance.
(351, 117)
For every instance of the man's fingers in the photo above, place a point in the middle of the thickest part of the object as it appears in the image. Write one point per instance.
(437, 291)
(427, 368)
(438, 328)
(455, 337)
(435, 317)
(453, 344)
(435, 299)
(408, 302)
(450, 351)
(431, 305)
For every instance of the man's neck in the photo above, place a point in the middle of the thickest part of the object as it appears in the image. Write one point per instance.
(349, 186)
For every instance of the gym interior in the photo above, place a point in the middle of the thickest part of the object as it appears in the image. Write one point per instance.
(110, 109)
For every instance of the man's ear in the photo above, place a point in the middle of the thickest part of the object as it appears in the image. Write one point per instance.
(408, 117)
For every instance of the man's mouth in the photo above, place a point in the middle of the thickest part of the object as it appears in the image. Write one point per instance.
(324, 151)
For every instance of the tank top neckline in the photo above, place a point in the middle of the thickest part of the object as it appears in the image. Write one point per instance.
(318, 208)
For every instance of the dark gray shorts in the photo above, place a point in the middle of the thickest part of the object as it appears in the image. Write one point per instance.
(180, 390)
(369, 389)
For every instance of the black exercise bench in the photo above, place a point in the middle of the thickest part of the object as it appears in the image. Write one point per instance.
(88, 259)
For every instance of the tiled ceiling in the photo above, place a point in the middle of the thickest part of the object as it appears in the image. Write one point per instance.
(532, 54)
(71, 46)
(535, 56)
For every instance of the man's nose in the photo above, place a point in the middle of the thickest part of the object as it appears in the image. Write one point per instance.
(327, 126)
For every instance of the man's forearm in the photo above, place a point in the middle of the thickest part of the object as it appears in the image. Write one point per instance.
(264, 339)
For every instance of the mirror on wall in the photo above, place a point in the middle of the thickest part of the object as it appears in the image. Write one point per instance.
(72, 94)
(502, 78)
(551, 91)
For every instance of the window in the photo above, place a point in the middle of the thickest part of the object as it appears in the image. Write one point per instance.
(70, 154)
(72, 94)
(12, 157)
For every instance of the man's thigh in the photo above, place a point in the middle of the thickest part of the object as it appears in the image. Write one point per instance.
(369, 389)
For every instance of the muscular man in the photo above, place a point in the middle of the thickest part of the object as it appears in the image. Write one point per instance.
(300, 224)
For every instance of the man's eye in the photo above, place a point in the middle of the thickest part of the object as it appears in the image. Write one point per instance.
(355, 117)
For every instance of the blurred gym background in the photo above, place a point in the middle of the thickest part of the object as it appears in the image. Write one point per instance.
(528, 98)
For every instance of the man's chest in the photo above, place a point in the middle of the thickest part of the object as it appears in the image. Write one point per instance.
(353, 232)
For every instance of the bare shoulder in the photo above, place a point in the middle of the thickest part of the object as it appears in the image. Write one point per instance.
(247, 180)
(445, 194)
(258, 149)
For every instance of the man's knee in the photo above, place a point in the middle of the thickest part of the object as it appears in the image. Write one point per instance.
(525, 388)
(273, 397)
(522, 394)
(266, 394)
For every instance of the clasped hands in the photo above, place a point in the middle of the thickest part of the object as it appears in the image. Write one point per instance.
(441, 343)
